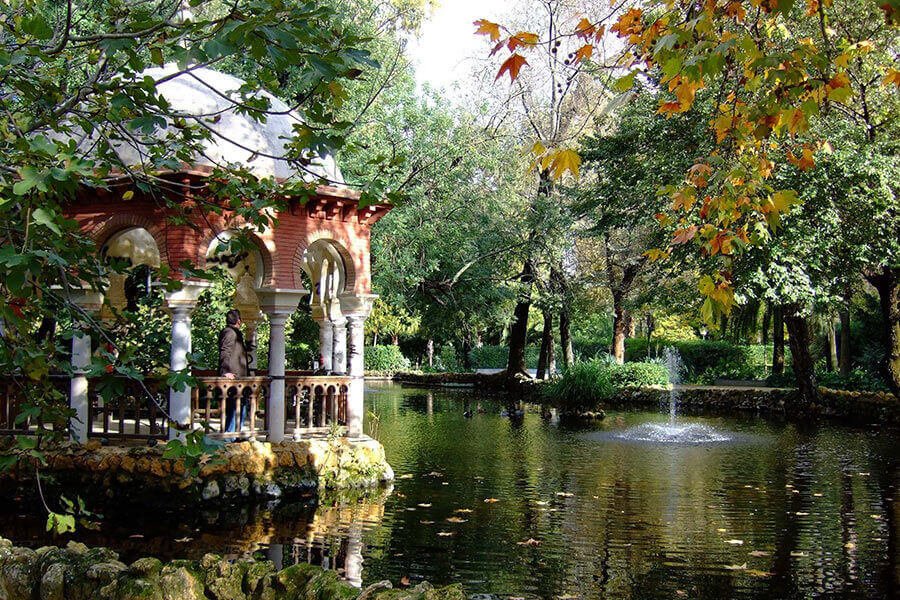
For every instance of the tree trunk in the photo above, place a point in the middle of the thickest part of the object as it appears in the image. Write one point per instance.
(374, 339)
(778, 339)
(799, 336)
(546, 346)
(887, 282)
(844, 354)
(630, 326)
(518, 334)
(559, 283)
(619, 327)
(395, 339)
(832, 358)
(551, 357)
(429, 352)
(767, 316)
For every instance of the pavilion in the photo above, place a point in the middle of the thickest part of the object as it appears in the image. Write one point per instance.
(326, 239)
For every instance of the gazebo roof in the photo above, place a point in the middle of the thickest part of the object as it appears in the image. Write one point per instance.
(209, 97)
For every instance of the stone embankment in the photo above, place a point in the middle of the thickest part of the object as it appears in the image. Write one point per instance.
(77, 572)
(143, 474)
(875, 407)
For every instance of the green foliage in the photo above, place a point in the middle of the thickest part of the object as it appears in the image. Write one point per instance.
(496, 357)
(385, 359)
(586, 385)
(707, 360)
(857, 380)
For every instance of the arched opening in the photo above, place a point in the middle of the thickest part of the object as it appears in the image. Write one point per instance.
(135, 255)
(324, 264)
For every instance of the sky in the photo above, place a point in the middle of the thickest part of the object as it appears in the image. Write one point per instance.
(447, 39)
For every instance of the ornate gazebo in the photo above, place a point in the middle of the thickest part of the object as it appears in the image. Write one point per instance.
(326, 239)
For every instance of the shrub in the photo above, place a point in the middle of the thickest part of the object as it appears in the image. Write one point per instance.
(385, 359)
(496, 357)
(857, 381)
(584, 385)
(707, 360)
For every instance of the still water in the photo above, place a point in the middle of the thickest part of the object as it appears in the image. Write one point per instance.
(526, 507)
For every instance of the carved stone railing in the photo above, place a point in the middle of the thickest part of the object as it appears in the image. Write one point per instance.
(123, 408)
(314, 402)
(214, 396)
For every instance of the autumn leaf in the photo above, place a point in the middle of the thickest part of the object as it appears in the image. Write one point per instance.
(456, 520)
(523, 38)
(404, 581)
(446, 533)
(669, 108)
(583, 53)
(529, 542)
(486, 27)
(892, 77)
(512, 65)
(655, 254)
(491, 500)
(683, 236)
(585, 29)
(565, 160)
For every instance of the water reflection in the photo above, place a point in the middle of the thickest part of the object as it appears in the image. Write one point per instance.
(530, 507)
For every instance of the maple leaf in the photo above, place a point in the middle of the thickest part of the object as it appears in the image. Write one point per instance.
(565, 160)
(585, 29)
(893, 76)
(512, 64)
(669, 108)
(683, 236)
(486, 27)
(583, 53)
(523, 38)
(654, 254)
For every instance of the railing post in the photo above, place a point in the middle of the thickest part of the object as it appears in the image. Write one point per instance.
(181, 304)
(80, 425)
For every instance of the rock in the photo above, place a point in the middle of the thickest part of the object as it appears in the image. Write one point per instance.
(210, 490)
(285, 459)
(180, 584)
(53, 582)
(128, 464)
(105, 572)
(146, 567)
(93, 445)
(18, 573)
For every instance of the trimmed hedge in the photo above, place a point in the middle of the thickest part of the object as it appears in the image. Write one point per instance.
(385, 359)
(585, 385)
(496, 357)
(707, 360)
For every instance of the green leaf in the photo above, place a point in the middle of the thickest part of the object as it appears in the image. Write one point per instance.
(46, 218)
(672, 67)
(156, 55)
(623, 84)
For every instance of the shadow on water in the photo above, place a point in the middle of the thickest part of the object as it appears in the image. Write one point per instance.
(515, 505)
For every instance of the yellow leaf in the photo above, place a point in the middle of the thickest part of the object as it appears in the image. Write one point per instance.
(511, 65)
(128, 195)
(893, 76)
(523, 38)
(486, 27)
(655, 254)
(538, 149)
(784, 199)
(565, 160)
(842, 60)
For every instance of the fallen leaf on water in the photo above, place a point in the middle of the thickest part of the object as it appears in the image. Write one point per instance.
(760, 553)
(425, 504)
(135, 536)
(401, 495)
(596, 497)
(184, 540)
(681, 593)
(566, 597)
(541, 503)
(735, 542)
(410, 508)
(446, 533)
(529, 542)
(850, 545)
(864, 474)
(736, 567)
(876, 516)
(817, 495)
(756, 573)
(798, 554)
(721, 530)
(406, 476)
(564, 494)
(456, 520)
(463, 511)
(435, 474)
(427, 522)
(404, 580)
(478, 478)
(444, 483)
(802, 514)
(491, 500)
(399, 554)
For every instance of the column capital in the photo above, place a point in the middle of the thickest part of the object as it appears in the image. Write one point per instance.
(185, 299)
(357, 304)
(274, 300)
(90, 300)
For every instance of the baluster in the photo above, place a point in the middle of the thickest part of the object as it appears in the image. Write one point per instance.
(308, 392)
(254, 401)
(136, 399)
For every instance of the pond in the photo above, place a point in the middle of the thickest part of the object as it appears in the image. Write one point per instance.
(526, 507)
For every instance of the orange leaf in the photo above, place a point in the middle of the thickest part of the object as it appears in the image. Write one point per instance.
(583, 53)
(683, 236)
(523, 38)
(512, 65)
(669, 108)
(486, 27)
(585, 29)
(893, 76)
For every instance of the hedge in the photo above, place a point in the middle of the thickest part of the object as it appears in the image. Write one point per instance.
(707, 360)
(385, 359)
(497, 357)
(585, 385)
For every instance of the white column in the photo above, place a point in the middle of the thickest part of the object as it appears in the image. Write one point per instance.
(79, 426)
(356, 392)
(339, 349)
(181, 304)
(78, 389)
(326, 343)
(275, 408)
(278, 304)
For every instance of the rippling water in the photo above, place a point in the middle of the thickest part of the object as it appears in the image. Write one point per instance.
(527, 507)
